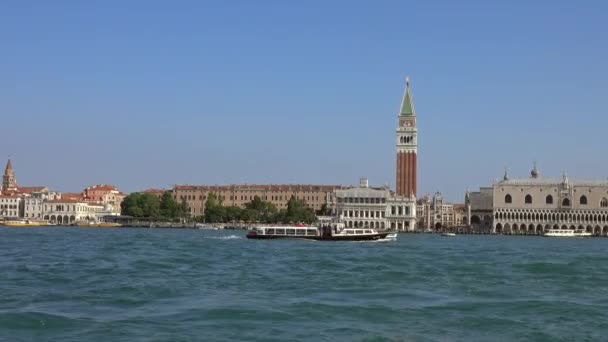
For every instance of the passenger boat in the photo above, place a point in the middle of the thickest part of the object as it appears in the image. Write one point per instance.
(24, 223)
(334, 232)
(566, 233)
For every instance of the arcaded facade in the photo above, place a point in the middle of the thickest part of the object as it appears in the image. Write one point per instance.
(536, 204)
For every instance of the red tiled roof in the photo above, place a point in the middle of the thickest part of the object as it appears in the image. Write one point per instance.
(71, 195)
(9, 196)
(65, 200)
(30, 189)
(154, 191)
(106, 187)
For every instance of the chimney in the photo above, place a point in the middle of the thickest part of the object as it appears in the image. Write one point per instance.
(363, 183)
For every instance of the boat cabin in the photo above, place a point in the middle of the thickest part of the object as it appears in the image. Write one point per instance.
(286, 231)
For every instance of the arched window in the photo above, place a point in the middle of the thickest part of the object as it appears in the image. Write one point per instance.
(508, 199)
(604, 203)
(528, 199)
(566, 202)
(549, 199)
(583, 200)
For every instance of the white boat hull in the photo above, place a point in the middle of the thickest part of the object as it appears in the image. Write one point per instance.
(566, 233)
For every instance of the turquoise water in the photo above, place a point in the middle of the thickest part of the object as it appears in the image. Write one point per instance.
(70, 284)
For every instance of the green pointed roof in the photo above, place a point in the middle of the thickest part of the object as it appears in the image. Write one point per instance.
(407, 105)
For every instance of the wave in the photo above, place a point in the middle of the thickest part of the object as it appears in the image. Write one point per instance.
(229, 237)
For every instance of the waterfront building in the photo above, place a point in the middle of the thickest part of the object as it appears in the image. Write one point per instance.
(33, 208)
(407, 146)
(10, 207)
(536, 204)
(480, 207)
(33, 201)
(379, 208)
(434, 213)
(69, 211)
(316, 197)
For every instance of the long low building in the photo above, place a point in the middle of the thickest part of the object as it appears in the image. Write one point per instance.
(316, 197)
(536, 204)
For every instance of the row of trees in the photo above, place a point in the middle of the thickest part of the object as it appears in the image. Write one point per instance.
(150, 206)
(257, 211)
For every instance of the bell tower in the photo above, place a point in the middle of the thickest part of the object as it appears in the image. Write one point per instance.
(8, 180)
(407, 146)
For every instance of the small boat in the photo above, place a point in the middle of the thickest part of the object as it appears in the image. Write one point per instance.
(333, 232)
(566, 233)
(202, 226)
(98, 224)
(448, 234)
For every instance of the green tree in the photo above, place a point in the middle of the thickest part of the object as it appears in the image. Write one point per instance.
(214, 211)
(168, 206)
(232, 214)
(141, 205)
(264, 210)
(249, 215)
(297, 212)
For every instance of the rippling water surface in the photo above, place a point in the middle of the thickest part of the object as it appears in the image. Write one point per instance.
(66, 284)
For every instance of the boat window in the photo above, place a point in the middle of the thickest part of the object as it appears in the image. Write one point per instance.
(358, 232)
(270, 231)
(280, 232)
(300, 231)
(368, 231)
(291, 232)
(312, 232)
(349, 232)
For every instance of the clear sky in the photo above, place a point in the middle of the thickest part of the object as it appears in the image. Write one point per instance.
(154, 93)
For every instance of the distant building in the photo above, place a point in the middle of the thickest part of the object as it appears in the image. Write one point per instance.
(33, 201)
(105, 194)
(365, 207)
(480, 207)
(315, 197)
(10, 207)
(536, 204)
(155, 192)
(69, 211)
(434, 213)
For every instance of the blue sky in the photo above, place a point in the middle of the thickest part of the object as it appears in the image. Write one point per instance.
(153, 93)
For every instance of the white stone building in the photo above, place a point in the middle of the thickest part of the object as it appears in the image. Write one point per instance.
(68, 211)
(10, 207)
(33, 208)
(365, 207)
(33, 203)
(536, 204)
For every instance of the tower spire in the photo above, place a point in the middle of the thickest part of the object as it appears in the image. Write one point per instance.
(8, 180)
(407, 146)
(407, 104)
